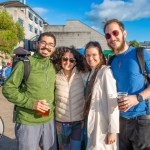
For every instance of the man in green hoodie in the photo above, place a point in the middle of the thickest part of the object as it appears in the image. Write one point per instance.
(33, 126)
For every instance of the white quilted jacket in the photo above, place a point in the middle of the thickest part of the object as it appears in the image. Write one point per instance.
(69, 97)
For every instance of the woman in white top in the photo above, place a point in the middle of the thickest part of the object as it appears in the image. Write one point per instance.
(101, 104)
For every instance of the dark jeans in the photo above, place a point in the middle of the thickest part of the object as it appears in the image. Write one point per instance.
(134, 134)
(69, 135)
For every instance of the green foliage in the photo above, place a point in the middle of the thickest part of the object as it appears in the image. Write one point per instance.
(10, 33)
(9, 41)
(134, 43)
(20, 30)
(6, 21)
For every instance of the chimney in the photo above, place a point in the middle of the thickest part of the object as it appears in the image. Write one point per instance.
(24, 1)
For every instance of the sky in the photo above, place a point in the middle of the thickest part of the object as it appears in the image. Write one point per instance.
(135, 14)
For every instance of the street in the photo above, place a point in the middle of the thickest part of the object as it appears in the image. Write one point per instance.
(7, 141)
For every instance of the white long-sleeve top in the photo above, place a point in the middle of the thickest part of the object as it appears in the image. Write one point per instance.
(104, 114)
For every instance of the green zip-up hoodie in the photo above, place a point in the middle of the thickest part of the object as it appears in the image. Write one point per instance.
(39, 86)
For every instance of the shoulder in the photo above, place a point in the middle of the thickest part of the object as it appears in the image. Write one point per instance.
(60, 76)
(146, 53)
(105, 69)
(105, 72)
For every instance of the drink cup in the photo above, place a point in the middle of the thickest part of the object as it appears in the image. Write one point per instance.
(119, 96)
(43, 114)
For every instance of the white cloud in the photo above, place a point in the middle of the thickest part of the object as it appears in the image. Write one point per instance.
(95, 28)
(40, 11)
(124, 10)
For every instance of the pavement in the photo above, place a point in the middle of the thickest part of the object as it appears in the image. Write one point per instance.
(7, 141)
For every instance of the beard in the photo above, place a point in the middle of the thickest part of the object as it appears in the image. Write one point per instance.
(120, 48)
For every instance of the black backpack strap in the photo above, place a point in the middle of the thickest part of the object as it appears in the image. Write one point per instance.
(111, 59)
(141, 60)
(27, 66)
(140, 56)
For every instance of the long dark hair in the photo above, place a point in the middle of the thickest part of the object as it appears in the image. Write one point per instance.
(60, 51)
(92, 80)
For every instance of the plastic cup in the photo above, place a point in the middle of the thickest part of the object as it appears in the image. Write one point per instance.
(119, 96)
(43, 114)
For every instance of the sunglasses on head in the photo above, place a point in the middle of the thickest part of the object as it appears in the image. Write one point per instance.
(71, 60)
(114, 33)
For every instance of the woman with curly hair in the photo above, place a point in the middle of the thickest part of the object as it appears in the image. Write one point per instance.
(69, 97)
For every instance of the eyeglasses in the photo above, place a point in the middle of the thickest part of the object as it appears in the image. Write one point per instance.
(43, 43)
(114, 33)
(71, 60)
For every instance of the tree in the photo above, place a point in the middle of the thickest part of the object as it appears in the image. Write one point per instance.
(10, 33)
(20, 30)
(134, 43)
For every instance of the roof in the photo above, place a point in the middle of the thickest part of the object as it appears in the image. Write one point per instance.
(21, 51)
(18, 4)
(13, 4)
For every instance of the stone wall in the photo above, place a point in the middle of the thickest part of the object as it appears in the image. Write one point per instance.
(75, 33)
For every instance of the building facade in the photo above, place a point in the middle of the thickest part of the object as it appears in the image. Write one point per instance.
(29, 19)
(75, 33)
(145, 44)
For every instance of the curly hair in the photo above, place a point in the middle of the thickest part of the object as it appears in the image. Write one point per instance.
(59, 53)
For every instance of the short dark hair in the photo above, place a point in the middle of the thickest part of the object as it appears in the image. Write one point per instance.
(121, 25)
(47, 34)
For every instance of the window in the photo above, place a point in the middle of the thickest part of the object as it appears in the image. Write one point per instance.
(21, 21)
(30, 16)
(36, 31)
(36, 20)
(30, 28)
(40, 23)
(21, 9)
(40, 32)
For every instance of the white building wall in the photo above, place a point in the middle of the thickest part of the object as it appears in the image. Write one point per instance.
(22, 13)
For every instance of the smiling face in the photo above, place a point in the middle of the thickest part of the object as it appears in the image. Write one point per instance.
(68, 62)
(93, 57)
(46, 46)
(116, 38)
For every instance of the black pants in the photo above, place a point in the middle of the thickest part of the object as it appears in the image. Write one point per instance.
(134, 134)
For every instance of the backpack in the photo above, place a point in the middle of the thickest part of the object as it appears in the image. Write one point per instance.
(141, 61)
(26, 63)
(27, 68)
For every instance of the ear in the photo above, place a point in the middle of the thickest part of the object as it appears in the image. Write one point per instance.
(37, 43)
(125, 33)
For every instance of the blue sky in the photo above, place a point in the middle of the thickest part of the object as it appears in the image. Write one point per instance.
(135, 14)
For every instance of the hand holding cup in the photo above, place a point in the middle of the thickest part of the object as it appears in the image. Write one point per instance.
(122, 104)
(41, 108)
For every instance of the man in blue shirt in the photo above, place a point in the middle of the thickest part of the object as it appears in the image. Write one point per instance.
(134, 121)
